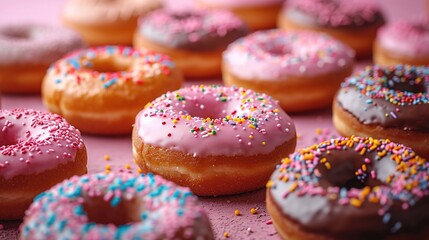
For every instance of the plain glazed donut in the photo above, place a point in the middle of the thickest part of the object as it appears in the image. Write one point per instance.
(106, 22)
(101, 90)
(351, 188)
(354, 22)
(203, 137)
(287, 65)
(258, 14)
(116, 206)
(26, 51)
(386, 102)
(403, 43)
(194, 39)
(38, 150)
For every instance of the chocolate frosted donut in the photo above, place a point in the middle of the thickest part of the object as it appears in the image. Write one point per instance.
(354, 22)
(195, 39)
(351, 188)
(386, 102)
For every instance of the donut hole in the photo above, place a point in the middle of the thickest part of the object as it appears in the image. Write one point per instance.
(276, 49)
(16, 34)
(99, 211)
(207, 107)
(8, 139)
(109, 65)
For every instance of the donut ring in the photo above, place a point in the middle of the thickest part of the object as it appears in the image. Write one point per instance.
(351, 188)
(386, 102)
(194, 39)
(101, 90)
(26, 51)
(37, 151)
(403, 42)
(353, 22)
(116, 206)
(201, 136)
(110, 22)
(285, 65)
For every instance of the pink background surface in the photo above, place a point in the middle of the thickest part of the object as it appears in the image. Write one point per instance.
(220, 209)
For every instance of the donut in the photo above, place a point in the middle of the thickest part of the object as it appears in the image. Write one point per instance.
(351, 188)
(287, 65)
(100, 90)
(106, 22)
(202, 137)
(38, 150)
(258, 14)
(194, 39)
(386, 102)
(403, 42)
(116, 206)
(27, 50)
(354, 22)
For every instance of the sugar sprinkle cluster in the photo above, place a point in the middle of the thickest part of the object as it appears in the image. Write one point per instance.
(407, 185)
(379, 83)
(166, 208)
(78, 65)
(338, 13)
(45, 137)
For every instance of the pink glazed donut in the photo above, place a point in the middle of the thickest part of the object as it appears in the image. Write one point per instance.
(37, 151)
(287, 65)
(258, 14)
(216, 140)
(116, 206)
(403, 42)
(27, 51)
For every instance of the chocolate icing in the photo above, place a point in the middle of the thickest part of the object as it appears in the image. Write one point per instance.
(369, 109)
(333, 13)
(321, 215)
(175, 30)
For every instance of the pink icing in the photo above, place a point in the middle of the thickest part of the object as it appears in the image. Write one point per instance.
(275, 54)
(337, 13)
(164, 209)
(215, 120)
(24, 44)
(406, 38)
(241, 3)
(33, 142)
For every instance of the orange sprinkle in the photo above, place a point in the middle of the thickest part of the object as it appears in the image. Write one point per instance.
(127, 166)
(139, 170)
(106, 157)
(328, 165)
(237, 212)
(226, 235)
(355, 202)
(269, 184)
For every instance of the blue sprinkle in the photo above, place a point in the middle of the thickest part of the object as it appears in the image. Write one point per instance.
(87, 227)
(79, 210)
(58, 81)
(62, 225)
(51, 220)
(180, 212)
(115, 201)
(144, 215)
(74, 62)
(110, 83)
(396, 227)
(386, 218)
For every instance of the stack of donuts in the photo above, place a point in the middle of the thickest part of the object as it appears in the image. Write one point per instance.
(141, 70)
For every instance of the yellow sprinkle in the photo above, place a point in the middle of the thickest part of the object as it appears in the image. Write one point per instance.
(362, 152)
(189, 117)
(251, 136)
(364, 167)
(106, 157)
(174, 121)
(387, 115)
(237, 212)
(139, 170)
(269, 184)
(127, 166)
(323, 160)
(328, 165)
(253, 211)
(226, 235)
(355, 202)
(263, 143)
(276, 110)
